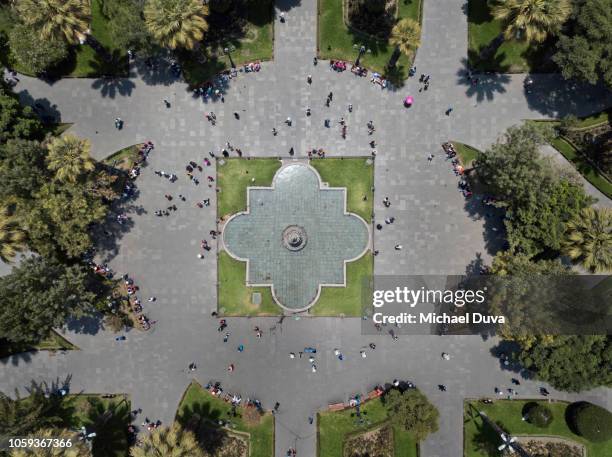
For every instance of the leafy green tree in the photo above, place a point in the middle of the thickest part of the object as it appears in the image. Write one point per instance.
(589, 239)
(593, 422)
(33, 54)
(59, 218)
(64, 20)
(538, 197)
(22, 169)
(126, 23)
(69, 157)
(39, 295)
(571, 363)
(168, 441)
(412, 411)
(78, 448)
(406, 37)
(584, 52)
(532, 20)
(16, 121)
(176, 23)
(527, 20)
(12, 238)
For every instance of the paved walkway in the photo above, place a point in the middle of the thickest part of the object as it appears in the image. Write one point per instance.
(441, 234)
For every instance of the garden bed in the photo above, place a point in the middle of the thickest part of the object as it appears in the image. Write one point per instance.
(54, 342)
(336, 428)
(202, 412)
(82, 61)
(480, 440)
(337, 40)
(511, 56)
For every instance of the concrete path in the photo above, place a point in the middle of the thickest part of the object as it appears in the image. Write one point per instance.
(440, 232)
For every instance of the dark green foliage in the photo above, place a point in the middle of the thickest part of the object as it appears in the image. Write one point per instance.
(19, 416)
(22, 168)
(539, 415)
(39, 295)
(584, 52)
(571, 363)
(33, 54)
(412, 411)
(592, 422)
(16, 121)
(126, 23)
(59, 218)
(538, 198)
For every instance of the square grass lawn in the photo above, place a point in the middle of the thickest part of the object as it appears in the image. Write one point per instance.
(511, 56)
(197, 400)
(335, 427)
(480, 440)
(234, 175)
(82, 61)
(337, 41)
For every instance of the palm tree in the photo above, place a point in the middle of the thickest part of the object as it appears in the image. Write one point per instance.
(589, 239)
(12, 238)
(406, 37)
(78, 448)
(171, 441)
(176, 23)
(69, 157)
(66, 20)
(528, 20)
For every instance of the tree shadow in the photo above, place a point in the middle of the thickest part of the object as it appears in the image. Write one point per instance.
(88, 325)
(109, 232)
(155, 70)
(553, 96)
(44, 109)
(493, 229)
(15, 359)
(111, 86)
(478, 11)
(483, 86)
(506, 351)
(206, 422)
(286, 5)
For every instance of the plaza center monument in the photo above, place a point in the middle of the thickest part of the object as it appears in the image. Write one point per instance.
(296, 236)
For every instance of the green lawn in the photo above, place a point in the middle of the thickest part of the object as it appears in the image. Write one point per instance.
(508, 414)
(337, 40)
(257, 44)
(467, 154)
(235, 295)
(583, 166)
(233, 178)
(347, 301)
(197, 400)
(511, 56)
(356, 175)
(54, 342)
(83, 60)
(333, 427)
(593, 120)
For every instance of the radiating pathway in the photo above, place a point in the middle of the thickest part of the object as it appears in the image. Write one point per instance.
(440, 232)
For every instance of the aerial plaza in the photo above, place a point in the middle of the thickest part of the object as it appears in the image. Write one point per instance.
(208, 230)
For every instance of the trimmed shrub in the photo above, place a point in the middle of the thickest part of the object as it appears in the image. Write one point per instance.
(539, 415)
(592, 422)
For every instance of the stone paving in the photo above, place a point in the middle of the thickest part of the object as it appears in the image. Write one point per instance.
(440, 232)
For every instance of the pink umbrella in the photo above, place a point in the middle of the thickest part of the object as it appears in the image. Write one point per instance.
(408, 100)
